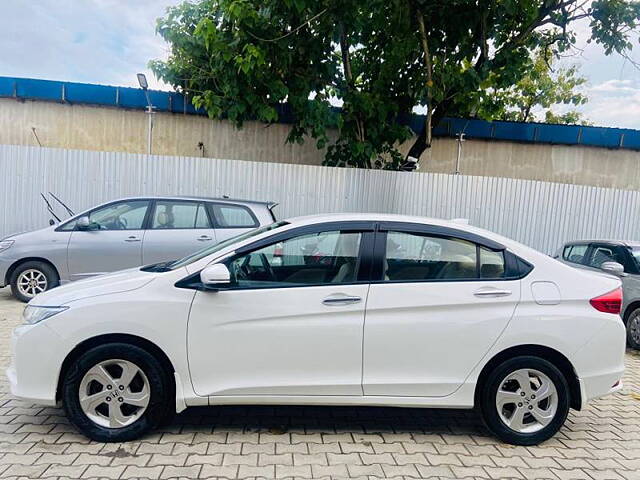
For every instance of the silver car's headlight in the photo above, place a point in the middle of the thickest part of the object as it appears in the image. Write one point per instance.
(34, 314)
(4, 244)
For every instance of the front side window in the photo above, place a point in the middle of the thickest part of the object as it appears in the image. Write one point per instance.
(126, 215)
(233, 216)
(177, 214)
(602, 254)
(416, 257)
(312, 259)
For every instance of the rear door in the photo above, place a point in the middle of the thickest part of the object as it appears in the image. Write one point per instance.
(176, 229)
(437, 306)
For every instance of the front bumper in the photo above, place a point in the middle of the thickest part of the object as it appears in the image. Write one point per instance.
(35, 364)
(4, 268)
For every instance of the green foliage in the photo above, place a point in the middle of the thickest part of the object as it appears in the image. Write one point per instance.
(534, 97)
(380, 60)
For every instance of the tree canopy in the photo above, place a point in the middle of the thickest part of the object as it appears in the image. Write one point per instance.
(379, 60)
(544, 94)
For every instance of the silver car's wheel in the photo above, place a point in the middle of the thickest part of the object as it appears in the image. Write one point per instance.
(31, 282)
(114, 393)
(633, 329)
(526, 400)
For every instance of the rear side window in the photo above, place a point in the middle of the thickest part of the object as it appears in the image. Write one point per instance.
(416, 257)
(178, 214)
(491, 263)
(422, 257)
(574, 253)
(233, 216)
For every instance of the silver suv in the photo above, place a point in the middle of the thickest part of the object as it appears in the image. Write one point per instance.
(121, 234)
(615, 257)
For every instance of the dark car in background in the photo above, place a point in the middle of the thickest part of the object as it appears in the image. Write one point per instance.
(615, 257)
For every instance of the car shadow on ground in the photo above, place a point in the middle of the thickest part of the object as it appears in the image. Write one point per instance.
(330, 419)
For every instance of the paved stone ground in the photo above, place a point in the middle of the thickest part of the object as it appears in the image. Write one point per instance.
(602, 442)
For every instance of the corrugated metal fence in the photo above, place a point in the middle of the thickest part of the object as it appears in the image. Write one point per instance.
(539, 214)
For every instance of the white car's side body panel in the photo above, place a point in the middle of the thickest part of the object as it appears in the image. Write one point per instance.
(282, 341)
(422, 341)
(404, 344)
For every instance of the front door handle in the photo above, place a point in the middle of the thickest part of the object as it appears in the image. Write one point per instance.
(340, 299)
(492, 292)
(132, 239)
(204, 238)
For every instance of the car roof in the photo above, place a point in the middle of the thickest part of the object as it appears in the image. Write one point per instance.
(624, 243)
(200, 198)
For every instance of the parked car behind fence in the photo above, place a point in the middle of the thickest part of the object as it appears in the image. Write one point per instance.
(122, 234)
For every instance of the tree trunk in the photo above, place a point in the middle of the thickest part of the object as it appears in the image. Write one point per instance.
(424, 137)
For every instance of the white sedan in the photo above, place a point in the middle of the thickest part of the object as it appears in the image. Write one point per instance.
(348, 309)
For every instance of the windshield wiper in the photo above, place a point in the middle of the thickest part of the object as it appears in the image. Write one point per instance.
(158, 267)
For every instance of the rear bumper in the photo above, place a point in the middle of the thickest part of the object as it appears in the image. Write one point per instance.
(600, 362)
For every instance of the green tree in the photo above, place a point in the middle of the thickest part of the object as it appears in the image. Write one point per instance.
(535, 96)
(379, 59)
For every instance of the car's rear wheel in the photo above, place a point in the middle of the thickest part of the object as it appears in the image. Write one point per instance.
(525, 400)
(633, 329)
(31, 278)
(116, 392)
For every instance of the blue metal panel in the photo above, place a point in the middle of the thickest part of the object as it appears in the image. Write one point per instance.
(38, 89)
(7, 86)
(95, 94)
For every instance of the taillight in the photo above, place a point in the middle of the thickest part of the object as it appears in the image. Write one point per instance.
(609, 302)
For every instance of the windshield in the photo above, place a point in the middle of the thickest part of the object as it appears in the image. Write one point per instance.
(200, 254)
(635, 251)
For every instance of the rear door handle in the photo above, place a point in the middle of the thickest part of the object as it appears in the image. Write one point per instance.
(204, 238)
(340, 299)
(492, 292)
(132, 239)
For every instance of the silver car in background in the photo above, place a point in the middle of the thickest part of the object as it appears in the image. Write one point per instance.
(616, 257)
(122, 234)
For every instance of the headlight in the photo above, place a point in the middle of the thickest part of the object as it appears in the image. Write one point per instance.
(5, 244)
(34, 314)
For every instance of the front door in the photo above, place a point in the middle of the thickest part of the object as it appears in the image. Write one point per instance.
(438, 306)
(177, 228)
(291, 322)
(112, 242)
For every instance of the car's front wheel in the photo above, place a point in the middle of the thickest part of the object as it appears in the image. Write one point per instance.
(525, 400)
(116, 392)
(31, 278)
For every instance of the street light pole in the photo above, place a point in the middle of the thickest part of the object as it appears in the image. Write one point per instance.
(142, 81)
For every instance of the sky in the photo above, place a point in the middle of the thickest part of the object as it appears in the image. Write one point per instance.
(109, 41)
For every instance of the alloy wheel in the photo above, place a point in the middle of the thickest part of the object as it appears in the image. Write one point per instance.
(634, 328)
(32, 282)
(526, 400)
(114, 393)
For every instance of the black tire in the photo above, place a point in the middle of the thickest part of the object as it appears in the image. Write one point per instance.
(633, 329)
(44, 268)
(161, 402)
(489, 411)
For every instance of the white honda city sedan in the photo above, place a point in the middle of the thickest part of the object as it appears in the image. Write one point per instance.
(345, 309)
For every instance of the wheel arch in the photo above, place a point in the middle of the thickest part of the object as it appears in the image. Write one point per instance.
(555, 357)
(17, 263)
(134, 340)
(630, 308)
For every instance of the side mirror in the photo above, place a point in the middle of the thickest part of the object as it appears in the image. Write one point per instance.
(83, 223)
(215, 276)
(612, 267)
